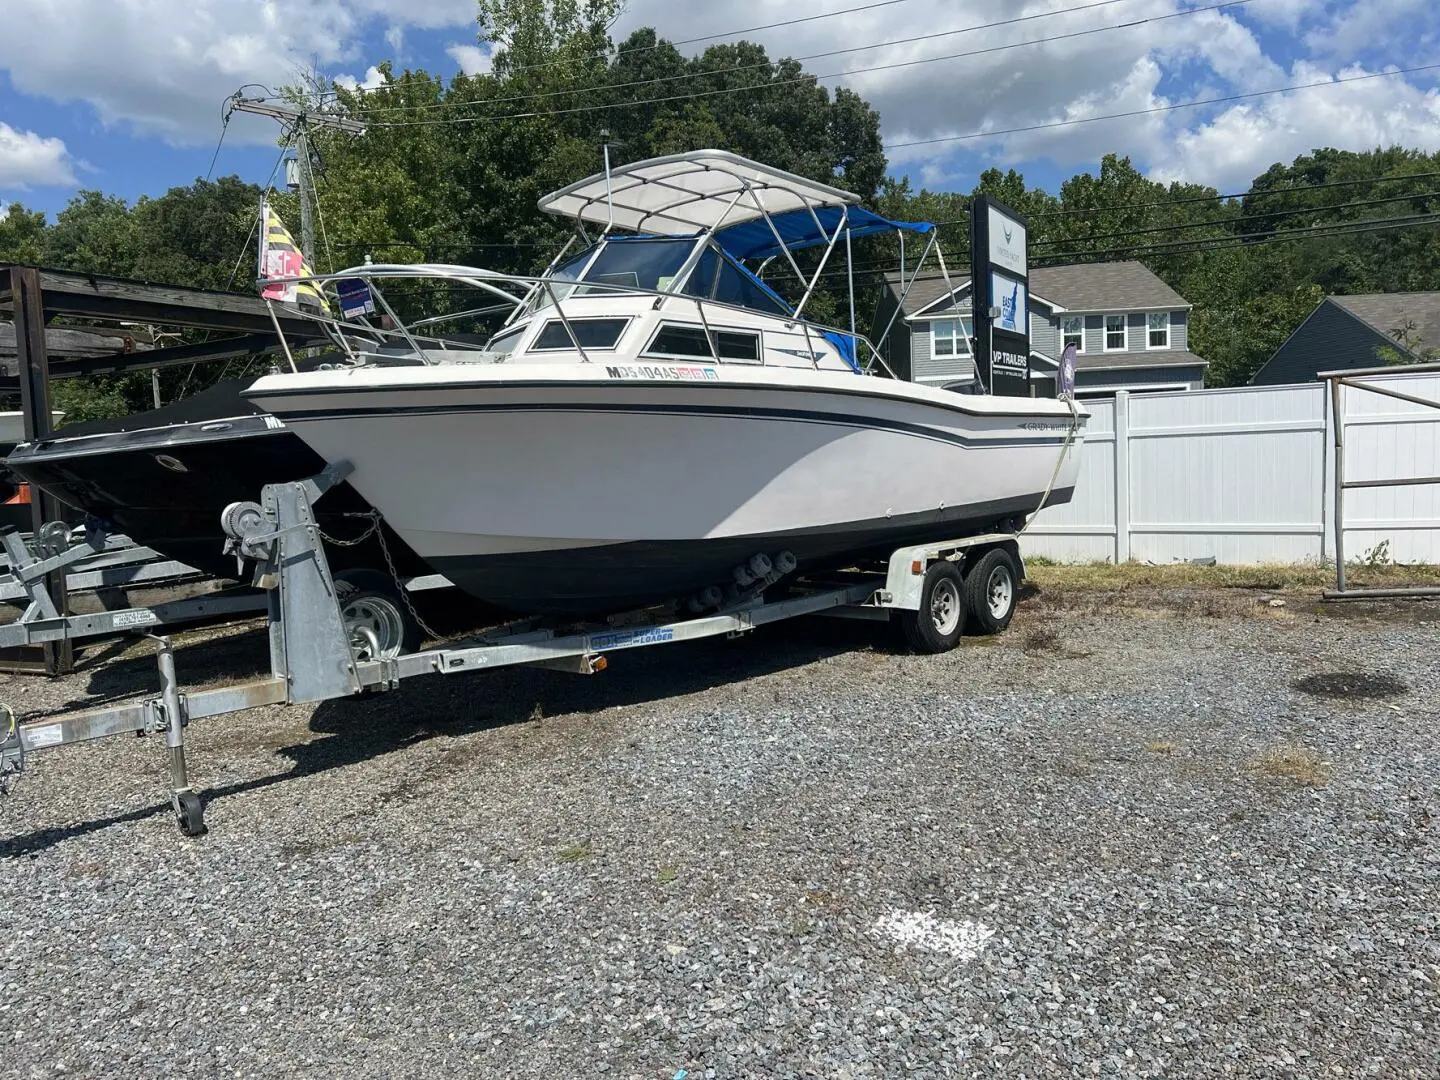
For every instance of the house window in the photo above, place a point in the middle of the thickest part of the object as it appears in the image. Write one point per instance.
(1159, 329)
(1072, 332)
(1114, 333)
(950, 337)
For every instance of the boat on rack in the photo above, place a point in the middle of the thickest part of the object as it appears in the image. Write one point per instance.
(655, 423)
(164, 477)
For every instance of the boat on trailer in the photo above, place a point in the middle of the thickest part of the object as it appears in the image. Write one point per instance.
(654, 423)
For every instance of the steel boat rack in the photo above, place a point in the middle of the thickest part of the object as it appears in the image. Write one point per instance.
(96, 561)
(320, 651)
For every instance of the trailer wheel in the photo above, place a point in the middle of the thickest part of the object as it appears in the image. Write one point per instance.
(937, 626)
(377, 620)
(190, 813)
(992, 589)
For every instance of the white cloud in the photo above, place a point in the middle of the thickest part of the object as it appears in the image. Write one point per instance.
(1127, 64)
(1246, 139)
(29, 160)
(163, 67)
(373, 77)
(471, 59)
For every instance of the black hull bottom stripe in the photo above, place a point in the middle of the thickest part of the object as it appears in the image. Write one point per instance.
(616, 577)
(851, 420)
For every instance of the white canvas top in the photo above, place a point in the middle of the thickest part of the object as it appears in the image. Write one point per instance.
(687, 193)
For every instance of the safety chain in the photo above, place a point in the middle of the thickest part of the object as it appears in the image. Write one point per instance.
(395, 576)
(373, 515)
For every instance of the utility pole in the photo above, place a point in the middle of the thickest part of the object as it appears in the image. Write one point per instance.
(300, 119)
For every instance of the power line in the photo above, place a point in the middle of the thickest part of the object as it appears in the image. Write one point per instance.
(1219, 243)
(1163, 108)
(466, 243)
(1238, 221)
(224, 127)
(811, 78)
(854, 49)
(1327, 229)
(662, 43)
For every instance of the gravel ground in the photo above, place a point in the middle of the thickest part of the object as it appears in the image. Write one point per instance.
(1108, 842)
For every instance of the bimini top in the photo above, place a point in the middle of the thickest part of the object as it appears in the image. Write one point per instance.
(684, 194)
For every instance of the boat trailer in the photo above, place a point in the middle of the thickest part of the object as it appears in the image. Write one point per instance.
(317, 654)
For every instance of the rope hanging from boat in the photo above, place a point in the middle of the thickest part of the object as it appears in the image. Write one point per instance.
(1055, 475)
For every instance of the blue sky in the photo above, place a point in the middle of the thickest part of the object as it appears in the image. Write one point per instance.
(126, 95)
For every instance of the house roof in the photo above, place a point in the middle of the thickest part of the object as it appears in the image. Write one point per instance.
(1112, 286)
(1152, 358)
(1389, 313)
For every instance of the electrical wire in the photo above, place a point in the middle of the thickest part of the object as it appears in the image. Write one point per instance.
(662, 44)
(812, 78)
(224, 127)
(1163, 108)
(934, 36)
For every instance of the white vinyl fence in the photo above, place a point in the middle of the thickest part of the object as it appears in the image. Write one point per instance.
(1247, 476)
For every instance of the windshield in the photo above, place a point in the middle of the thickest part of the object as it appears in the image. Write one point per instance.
(652, 263)
(636, 264)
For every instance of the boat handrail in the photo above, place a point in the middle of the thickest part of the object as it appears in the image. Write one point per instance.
(492, 282)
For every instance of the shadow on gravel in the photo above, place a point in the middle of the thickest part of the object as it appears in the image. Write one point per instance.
(374, 725)
(1352, 685)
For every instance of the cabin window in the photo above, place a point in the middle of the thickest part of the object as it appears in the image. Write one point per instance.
(1114, 333)
(590, 333)
(1072, 332)
(505, 343)
(950, 337)
(1158, 323)
(674, 339)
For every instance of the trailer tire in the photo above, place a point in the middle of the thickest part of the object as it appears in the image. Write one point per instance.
(992, 589)
(937, 626)
(369, 601)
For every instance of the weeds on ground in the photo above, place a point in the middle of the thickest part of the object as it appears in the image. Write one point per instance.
(1298, 764)
(1041, 639)
(577, 852)
(1047, 574)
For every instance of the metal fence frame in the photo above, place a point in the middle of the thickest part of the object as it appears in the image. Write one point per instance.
(1336, 381)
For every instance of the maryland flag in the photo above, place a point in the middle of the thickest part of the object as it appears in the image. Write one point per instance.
(280, 258)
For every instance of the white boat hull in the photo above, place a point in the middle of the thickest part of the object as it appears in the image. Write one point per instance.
(578, 490)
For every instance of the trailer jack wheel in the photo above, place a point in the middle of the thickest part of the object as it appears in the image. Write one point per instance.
(937, 626)
(189, 813)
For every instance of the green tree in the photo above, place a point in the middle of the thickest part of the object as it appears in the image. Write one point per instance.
(22, 235)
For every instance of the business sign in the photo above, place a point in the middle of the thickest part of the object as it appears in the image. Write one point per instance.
(1007, 240)
(1000, 297)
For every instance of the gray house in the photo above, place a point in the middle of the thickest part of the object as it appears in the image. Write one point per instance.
(1129, 327)
(1346, 332)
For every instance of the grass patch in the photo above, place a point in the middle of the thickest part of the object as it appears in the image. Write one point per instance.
(576, 852)
(1298, 764)
(1046, 574)
(666, 875)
